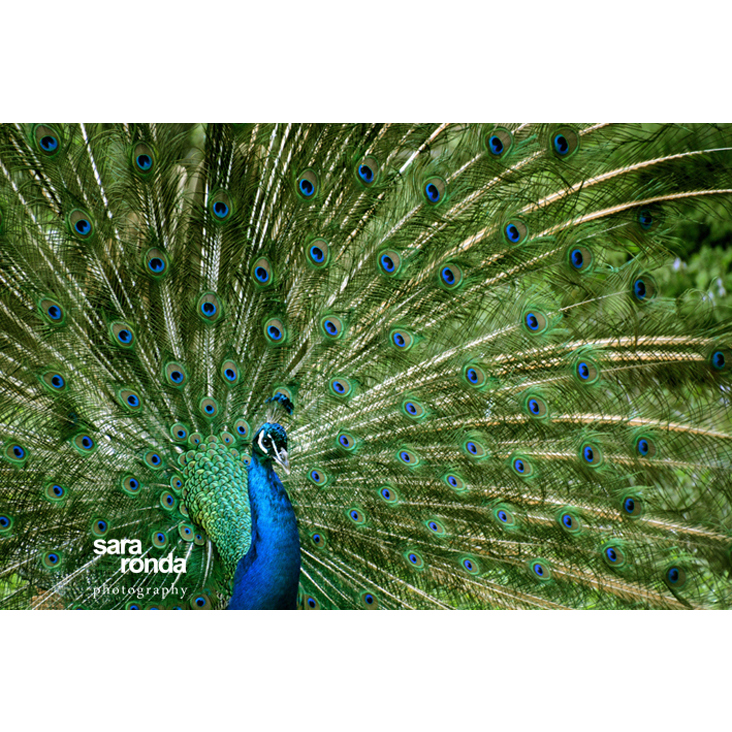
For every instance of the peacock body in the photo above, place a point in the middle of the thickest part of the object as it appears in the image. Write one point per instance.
(450, 341)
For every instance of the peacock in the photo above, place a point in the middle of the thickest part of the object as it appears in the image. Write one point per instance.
(361, 366)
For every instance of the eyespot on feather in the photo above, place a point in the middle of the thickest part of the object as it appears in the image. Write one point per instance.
(51, 310)
(408, 457)
(47, 139)
(474, 375)
(143, 160)
(209, 308)
(122, 334)
(631, 505)
(504, 516)
(515, 232)
(455, 482)
(564, 143)
(52, 560)
(332, 327)
(644, 289)
(613, 555)
(154, 460)
(591, 455)
(413, 409)
(535, 406)
(356, 515)
(156, 263)
(262, 272)
(275, 332)
(415, 559)
(229, 372)
(307, 184)
(369, 600)
(175, 374)
(435, 527)
(388, 494)
(401, 339)
(186, 532)
(55, 492)
(645, 447)
(318, 477)
(84, 444)
(318, 539)
(179, 432)
(208, 407)
(6, 524)
(535, 321)
(434, 190)
(130, 485)
(346, 441)
(474, 449)
(720, 360)
(540, 569)
(168, 501)
(99, 527)
(569, 521)
(80, 224)
(200, 601)
(367, 171)
(675, 576)
(16, 453)
(450, 276)
(242, 429)
(498, 142)
(130, 400)
(389, 262)
(646, 219)
(317, 253)
(580, 258)
(521, 466)
(221, 206)
(340, 386)
(586, 371)
(470, 565)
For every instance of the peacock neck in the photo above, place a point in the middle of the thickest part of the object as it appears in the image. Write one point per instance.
(267, 575)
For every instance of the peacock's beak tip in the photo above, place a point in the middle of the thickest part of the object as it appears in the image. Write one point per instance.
(282, 461)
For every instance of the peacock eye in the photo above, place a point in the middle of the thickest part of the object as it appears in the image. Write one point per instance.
(498, 142)
(644, 289)
(535, 321)
(366, 174)
(307, 183)
(564, 142)
(434, 190)
(645, 219)
(515, 231)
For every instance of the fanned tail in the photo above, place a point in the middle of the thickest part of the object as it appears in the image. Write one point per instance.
(494, 405)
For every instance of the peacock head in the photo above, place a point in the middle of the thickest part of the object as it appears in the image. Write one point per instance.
(270, 443)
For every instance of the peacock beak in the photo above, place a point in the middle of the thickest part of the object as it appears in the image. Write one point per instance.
(281, 460)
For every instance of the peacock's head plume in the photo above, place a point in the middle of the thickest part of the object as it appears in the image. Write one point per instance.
(270, 443)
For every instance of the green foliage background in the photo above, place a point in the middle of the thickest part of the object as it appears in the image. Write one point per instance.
(704, 252)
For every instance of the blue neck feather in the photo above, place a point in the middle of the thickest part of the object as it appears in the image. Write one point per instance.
(267, 575)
